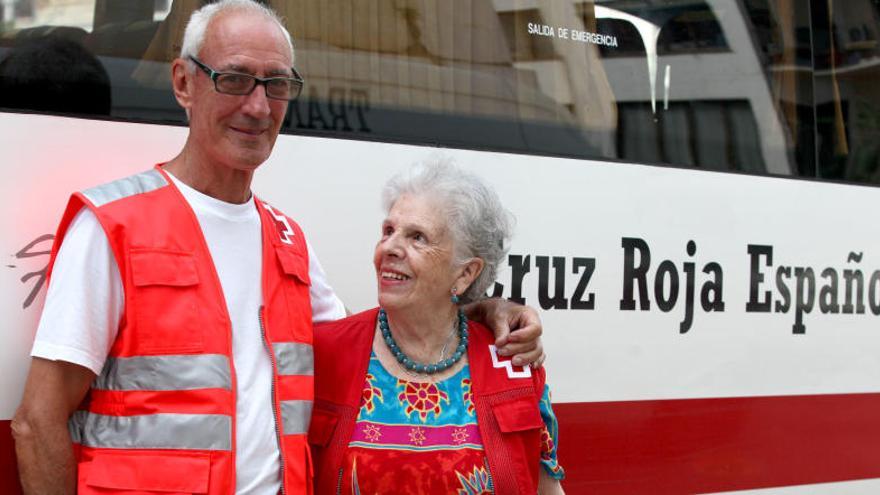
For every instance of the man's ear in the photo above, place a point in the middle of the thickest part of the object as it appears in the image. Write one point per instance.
(182, 83)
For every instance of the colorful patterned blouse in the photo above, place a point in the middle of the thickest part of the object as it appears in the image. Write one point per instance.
(422, 438)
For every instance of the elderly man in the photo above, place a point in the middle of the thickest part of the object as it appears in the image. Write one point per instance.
(176, 335)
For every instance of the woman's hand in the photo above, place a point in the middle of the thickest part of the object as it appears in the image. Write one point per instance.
(517, 329)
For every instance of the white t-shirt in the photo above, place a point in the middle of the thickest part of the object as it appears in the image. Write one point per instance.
(85, 301)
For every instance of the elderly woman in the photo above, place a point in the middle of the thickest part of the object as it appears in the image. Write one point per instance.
(411, 397)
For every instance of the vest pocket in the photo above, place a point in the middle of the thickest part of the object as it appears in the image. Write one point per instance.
(164, 301)
(112, 473)
(321, 442)
(296, 282)
(520, 423)
(294, 265)
(518, 415)
(322, 427)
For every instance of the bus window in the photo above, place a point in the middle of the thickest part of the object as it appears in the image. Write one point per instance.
(847, 99)
(781, 87)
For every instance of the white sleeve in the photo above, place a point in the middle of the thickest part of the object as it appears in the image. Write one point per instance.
(326, 306)
(85, 299)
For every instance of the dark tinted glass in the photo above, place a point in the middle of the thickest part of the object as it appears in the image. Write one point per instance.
(784, 87)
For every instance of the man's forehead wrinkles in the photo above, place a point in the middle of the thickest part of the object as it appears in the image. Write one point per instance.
(279, 72)
(235, 67)
(250, 69)
(243, 43)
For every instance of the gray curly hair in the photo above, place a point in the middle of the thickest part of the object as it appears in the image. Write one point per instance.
(481, 227)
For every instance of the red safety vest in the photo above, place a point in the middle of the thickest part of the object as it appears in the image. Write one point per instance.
(161, 415)
(507, 407)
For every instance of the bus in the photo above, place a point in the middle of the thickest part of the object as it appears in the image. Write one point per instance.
(688, 178)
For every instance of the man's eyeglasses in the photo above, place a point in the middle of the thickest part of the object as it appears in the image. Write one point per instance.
(234, 83)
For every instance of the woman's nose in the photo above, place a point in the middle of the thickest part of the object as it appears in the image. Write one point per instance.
(391, 246)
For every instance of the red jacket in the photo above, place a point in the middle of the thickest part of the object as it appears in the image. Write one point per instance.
(161, 415)
(507, 408)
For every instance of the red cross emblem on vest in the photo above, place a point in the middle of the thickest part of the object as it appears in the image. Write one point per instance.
(506, 363)
(281, 223)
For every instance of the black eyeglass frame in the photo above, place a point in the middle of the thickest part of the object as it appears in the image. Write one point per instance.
(297, 79)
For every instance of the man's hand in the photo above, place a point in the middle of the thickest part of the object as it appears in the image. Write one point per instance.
(517, 329)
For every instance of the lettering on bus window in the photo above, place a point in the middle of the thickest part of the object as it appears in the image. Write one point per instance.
(343, 109)
(565, 33)
(39, 247)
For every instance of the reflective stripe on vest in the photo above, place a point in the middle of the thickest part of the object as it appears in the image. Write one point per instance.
(294, 359)
(179, 372)
(295, 416)
(123, 188)
(152, 431)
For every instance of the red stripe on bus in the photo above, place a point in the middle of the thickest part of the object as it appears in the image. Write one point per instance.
(692, 445)
(710, 445)
(8, 471)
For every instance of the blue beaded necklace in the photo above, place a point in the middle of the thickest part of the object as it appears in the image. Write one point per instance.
(426, 369)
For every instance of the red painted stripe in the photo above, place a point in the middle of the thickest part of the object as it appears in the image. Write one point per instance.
(709, 445)
(692, 446)
(8, 469)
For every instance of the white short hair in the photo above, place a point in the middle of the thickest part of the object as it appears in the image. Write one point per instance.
(194, 35)
(480, 225)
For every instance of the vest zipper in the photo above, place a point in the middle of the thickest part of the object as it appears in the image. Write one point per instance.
(339, 482)
(274, 401)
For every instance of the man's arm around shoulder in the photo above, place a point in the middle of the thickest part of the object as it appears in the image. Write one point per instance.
(53, 392)
(517, 329)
